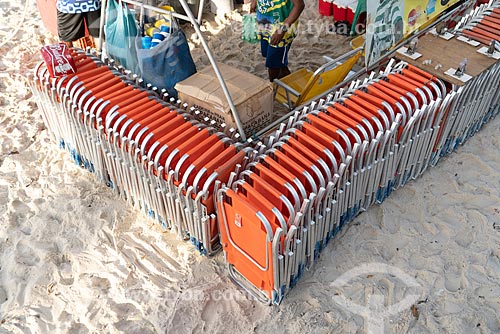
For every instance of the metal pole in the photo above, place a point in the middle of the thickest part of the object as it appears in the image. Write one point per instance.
(104, 3)
(216, 68)
(200, 10)
(196, 26)
(163, 11)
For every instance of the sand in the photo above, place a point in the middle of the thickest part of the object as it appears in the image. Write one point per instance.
(75, 259)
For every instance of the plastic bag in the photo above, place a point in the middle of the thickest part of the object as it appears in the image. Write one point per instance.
(121, 32)
(249, 32)
(167, 63)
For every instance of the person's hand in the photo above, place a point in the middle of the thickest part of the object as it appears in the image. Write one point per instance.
(253, 6)
(277, 37)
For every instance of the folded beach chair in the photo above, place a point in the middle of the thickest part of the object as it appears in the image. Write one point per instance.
(303, 85)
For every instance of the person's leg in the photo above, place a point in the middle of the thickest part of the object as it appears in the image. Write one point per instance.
(264, 46)
(92, 20)
(274, 73)
(284, 71)
(277, 62)
(265, 49)
(70, 27)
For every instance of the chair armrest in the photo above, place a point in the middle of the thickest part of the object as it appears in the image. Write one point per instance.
(327, 59)
(286, 87)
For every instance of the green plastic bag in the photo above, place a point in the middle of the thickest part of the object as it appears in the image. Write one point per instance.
(120, 31)
(249, 32)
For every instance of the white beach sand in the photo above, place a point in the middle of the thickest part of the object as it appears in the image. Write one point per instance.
(75, 259)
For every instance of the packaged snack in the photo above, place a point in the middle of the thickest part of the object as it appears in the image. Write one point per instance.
(58, 60)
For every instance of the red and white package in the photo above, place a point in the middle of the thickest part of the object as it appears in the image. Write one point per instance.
(58, 60)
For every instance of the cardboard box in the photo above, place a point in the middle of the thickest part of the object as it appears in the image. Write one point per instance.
(252, 97)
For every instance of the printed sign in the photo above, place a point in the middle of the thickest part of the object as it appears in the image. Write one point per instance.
(391, 21)
(384, 29)
(420, 12)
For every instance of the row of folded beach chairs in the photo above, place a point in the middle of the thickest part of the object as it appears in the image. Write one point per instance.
(482, 24)
(155, 155)
(274, 203)
(336, 158)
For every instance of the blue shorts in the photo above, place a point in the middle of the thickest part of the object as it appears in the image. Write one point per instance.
(275, 57)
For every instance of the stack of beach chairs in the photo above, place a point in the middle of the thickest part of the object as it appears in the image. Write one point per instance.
(342, 154)
(272, 203)
(336, 158)
(482, 24)
(151, 153)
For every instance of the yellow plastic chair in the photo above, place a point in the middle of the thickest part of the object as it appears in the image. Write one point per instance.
(303, 85)
(358, 42)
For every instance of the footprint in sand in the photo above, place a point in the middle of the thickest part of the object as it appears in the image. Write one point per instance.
(65, 269)
(39, 201)
(105, 216)
(77, 328)
(21, 208)
(3, 295)
(4, 196)
(453, 281)
(213, 310)
(66, 274)
(135, 327)
(25, 255)
(209, 313)
(125, 308)
(101, 283)
(6, 145)
(128, 311)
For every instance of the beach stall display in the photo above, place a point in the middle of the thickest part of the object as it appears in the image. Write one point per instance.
(272, 198)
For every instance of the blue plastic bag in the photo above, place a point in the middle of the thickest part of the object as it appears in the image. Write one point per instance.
(167, 63)
(121, 32)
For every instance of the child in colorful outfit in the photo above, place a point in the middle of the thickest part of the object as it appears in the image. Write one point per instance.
(278, 20)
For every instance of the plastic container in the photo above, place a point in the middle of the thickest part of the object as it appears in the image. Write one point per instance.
(152, 30)
(155, 42)
(158, 36)
(164, 28)
(146, 42)
(339, 13)
(325, 8)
